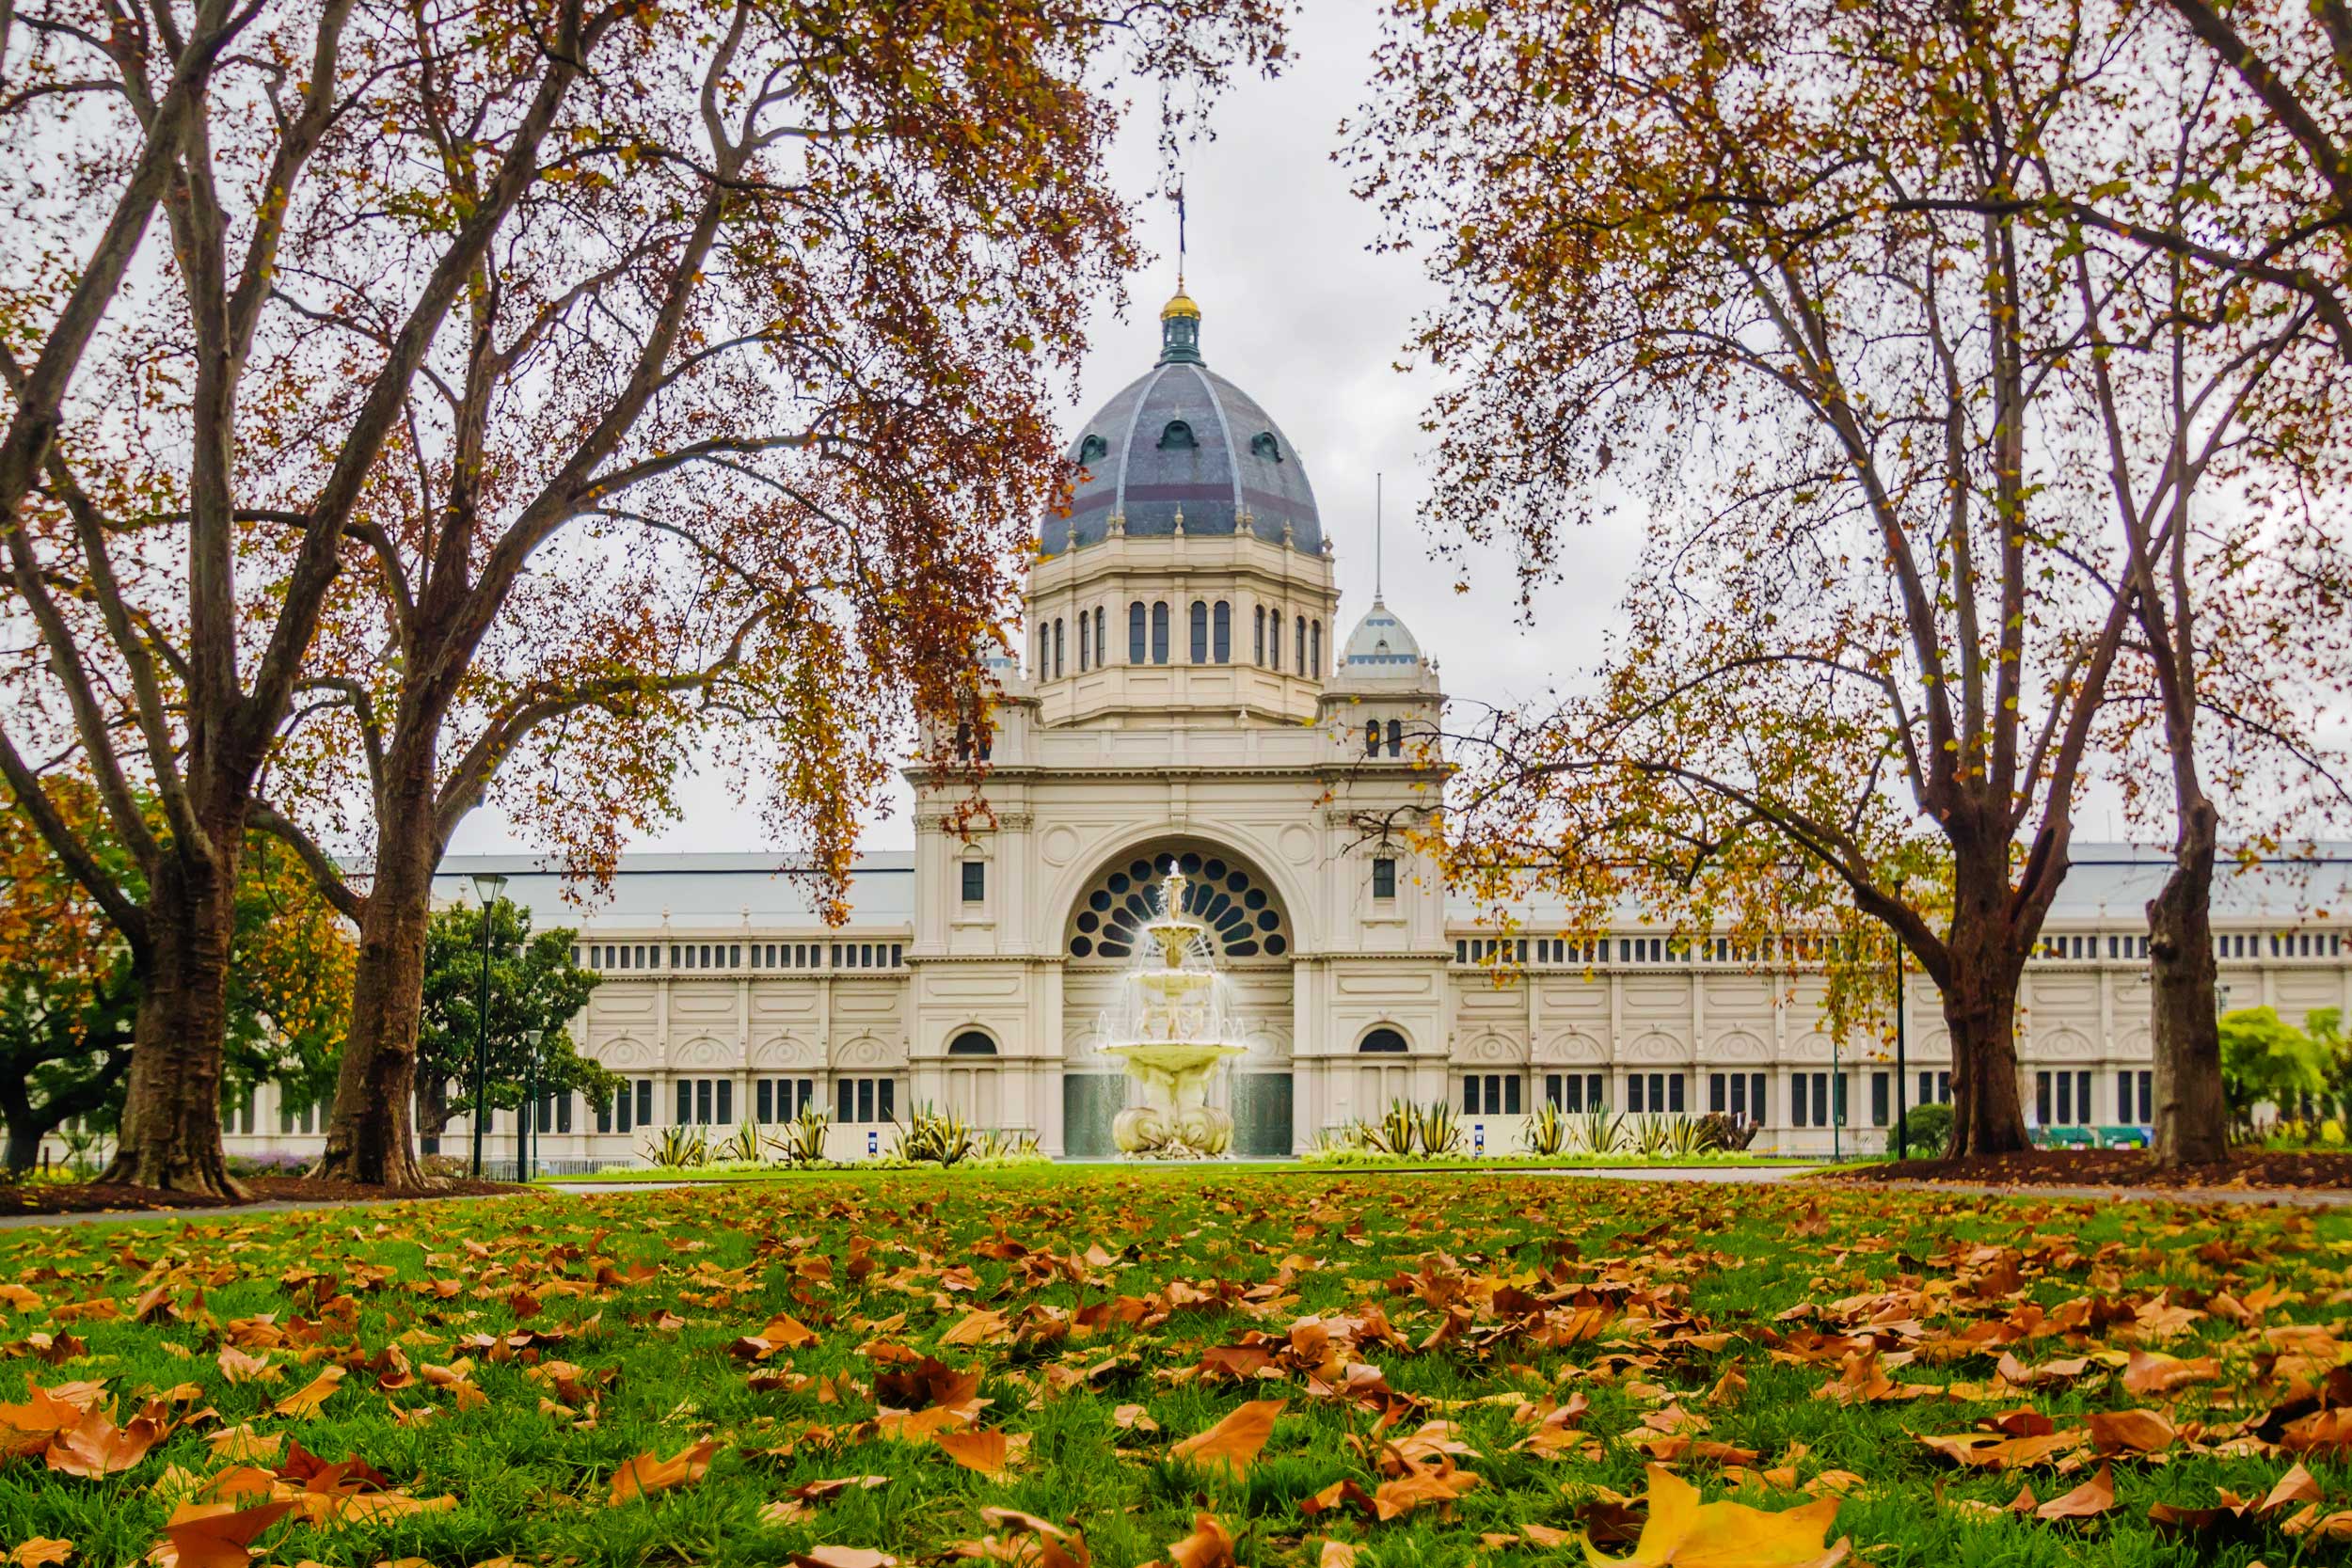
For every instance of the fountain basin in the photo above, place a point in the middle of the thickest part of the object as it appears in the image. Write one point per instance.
(1178, 1059)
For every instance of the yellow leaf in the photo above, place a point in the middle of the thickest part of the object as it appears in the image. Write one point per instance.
(983, 1452)
(306, 1400)
(646, 1475)
(1234, 1441)
(41, 1551)
(1683, 1532)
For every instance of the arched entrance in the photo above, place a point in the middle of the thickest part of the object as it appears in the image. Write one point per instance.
(1250, 935)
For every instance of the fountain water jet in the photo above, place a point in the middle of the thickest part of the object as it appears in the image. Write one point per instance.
(1176, 1026)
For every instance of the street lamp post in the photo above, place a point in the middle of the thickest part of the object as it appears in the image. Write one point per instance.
(530, 1108)
(489, 884)
(1902, 1064)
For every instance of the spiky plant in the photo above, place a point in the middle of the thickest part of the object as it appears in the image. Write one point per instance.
(1599, 1130)
(1546, 1134)
(679, 1148)
(1439, 1130)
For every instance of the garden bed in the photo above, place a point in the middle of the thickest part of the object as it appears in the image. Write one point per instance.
(2254, 1170)
(86, 1198)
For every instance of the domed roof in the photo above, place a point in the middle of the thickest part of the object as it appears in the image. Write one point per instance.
(1380, 645)
(1182, 438)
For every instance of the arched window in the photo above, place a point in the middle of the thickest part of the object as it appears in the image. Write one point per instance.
(1298, 660)
(1257, 621)
(1200, 631)
(1058, 647)
(1315, 642)
(1085, 640)
(1241, 917)
(972, 1043)
(1383, 1041)
(1102, 636)
(1372, 738)
(1135, 632)
(1159, 631)
(1177, 436)
(1044, 648)
(1396, 738)
(1221, 645)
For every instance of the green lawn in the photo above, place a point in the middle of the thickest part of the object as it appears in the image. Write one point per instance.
(1057, 1333)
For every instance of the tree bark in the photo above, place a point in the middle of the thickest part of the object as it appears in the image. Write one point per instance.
(170, 1133)
(371, 1131)
(2192, 1112)
(1987, 956)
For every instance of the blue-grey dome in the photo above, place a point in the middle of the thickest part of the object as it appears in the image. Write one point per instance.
(1183, 438)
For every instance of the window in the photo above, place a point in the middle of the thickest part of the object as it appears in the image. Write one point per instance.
(1135, 632)
(1085, 640)
(865, 1100)
(975, 884)
(1491, 1094)
(1655, 1092)
(1396, 738)
(1576, 1091)
(1384, 878)
(2134, 1097)
(703, 1107)
(1274, 639)
(1221, 633)
(1881, 1093)
(1159, 631)
(2063, 1099)
(1314, 644)
(1935, 1088)
(1739, 1095)
(1200, 631)
(1809, 1099)
(1177, 436)
(1257, 620)
(1382, 1040)
(1058, 647)
(644, 1104)
(685, 1101)
(1372, 738)
(1299, 662)
(1101, 637)
(972, 1043)
(1263, 445)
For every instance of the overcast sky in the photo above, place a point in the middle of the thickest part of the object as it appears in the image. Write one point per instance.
(1298, 311)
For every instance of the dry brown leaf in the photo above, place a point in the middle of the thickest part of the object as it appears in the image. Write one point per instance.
(1208, 1545)
(843, 1557)
(984, 1452)
(1234, 1441)
(216, 1535)
(94, 1447)
(306, 1400)
(2150, 1371)
(1422, 1488)
(2091, 1498)
(239, 1367)
(1336, 1554)
(1133, 1417)
(1683, 1532)
(978, 1326)
(2140, 1431)
(1985, 1451)
(645, 1474)
(41, 1551)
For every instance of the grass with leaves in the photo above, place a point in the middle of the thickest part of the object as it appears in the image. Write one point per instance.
(1197, 1367)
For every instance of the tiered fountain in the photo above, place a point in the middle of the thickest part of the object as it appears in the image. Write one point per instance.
(1175, 1027)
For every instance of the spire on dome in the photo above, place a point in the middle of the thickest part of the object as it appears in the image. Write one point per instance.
(1179, 330)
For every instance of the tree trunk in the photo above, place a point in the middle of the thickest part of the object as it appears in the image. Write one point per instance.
(2192, 1113)
(370, 1132)
(170, 1133)
(1979, 995)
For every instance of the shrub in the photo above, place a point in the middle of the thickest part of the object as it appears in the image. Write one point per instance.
(801, 1143)
(1439, 1130)
(1546, 1134)
(740, 1149)
(1728, 1132)
(930, 1137)
(1397, 1129)
(679, 1148)
(1928, 1131)
(1599, 1130)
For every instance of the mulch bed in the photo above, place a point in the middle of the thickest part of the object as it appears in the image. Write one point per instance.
(2259, 1170)
(82, 1197)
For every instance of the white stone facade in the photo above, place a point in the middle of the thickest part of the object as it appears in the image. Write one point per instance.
(972, 972)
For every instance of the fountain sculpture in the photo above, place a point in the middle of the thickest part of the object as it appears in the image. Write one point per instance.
(1174, 1029)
